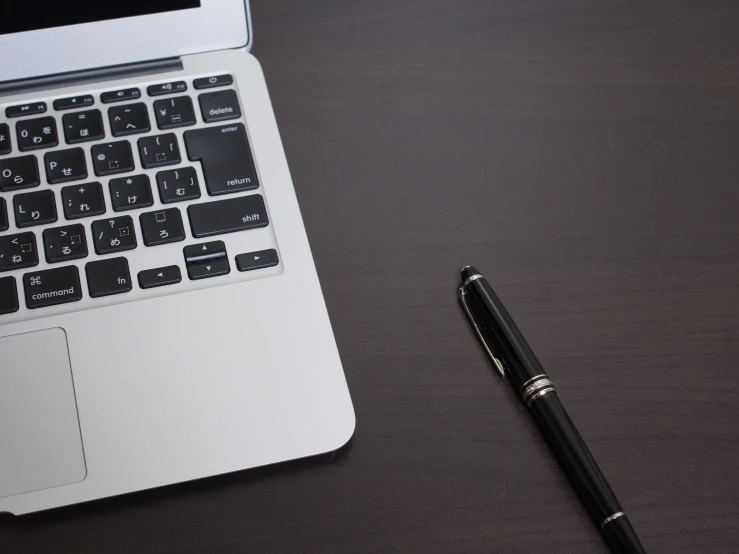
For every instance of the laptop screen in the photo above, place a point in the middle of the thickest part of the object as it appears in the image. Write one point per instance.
(44, 14)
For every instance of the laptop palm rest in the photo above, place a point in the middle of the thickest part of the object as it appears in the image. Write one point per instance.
(40, 442)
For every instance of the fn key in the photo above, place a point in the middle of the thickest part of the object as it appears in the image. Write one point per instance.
(108, 277)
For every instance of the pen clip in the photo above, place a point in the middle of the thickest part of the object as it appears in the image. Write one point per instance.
(498, 364)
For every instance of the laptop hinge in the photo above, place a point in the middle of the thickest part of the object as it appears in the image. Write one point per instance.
(90, 76)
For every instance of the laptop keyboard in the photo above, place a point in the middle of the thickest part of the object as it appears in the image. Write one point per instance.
(91, 185)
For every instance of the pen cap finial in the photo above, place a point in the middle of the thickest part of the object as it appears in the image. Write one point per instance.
(468, 272)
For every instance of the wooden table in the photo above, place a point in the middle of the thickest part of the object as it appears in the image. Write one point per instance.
(585, 155)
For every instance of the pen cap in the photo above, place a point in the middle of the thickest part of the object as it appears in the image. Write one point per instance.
(496, 323)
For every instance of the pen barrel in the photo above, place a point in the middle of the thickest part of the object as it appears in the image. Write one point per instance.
(584, 473)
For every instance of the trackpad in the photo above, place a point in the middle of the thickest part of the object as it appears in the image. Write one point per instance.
(40, 443)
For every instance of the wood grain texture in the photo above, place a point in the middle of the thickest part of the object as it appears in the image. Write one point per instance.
(584, 154)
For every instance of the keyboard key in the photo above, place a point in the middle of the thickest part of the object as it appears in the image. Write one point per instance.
(25, 109)
(257, 260)
(159, 151)
(206, 270)
(167, 88)
(4, 219)
(176, 185)
(19, 173)
(208, 251)
(83, 126)
(227, 216)
(74, 102)
(129, 193)
(8, 296)
(62, 244)
(215, 81)
(34, 208)
(220, 106)
(83, 200)
(65, 165)
(108, 277)
(5, 147)
(114, 235)
(112, 158)
(174, 112)
(129, 119)
(160, 277)
(34, 134)
(162, 227)
(226, 157)
(52, 287)
(18, 251)
(120, 95)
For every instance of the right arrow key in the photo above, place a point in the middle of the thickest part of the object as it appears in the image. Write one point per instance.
(257, 260)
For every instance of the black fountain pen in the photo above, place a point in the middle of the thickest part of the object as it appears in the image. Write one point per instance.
(514, 358)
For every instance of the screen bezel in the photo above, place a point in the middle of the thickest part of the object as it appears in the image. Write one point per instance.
(216, 25)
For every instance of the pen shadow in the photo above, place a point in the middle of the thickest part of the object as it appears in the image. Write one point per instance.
(162, 495)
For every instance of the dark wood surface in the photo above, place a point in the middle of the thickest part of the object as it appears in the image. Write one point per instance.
(585, 155)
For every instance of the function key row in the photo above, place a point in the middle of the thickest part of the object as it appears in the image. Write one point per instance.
(86, 100)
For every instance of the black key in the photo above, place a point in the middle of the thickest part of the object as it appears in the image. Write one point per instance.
(167, 88)
(25, 109)
(176, 185)
(129, 119)
(257, 260)
(114, 235)
(34, 134)
(4, 219)
(220, 106)
(159, 151)
(51, 287)
(83, 126)
(227, 216)
(215, 81)
(226, 157)
(108, 277)
(207, 251)
(34, 208)
(211, 268)
(19, 173)
(74, 102)
(8, 296)
(65, 165)
(120, 95)
(174, 112)
(160, 277)
(5, 147)
(112, 158)
(129, 193)
(62, 244)
(18, 251)
(83, 200)
(162, 227)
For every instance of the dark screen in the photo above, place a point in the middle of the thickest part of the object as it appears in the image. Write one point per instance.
(29, 15)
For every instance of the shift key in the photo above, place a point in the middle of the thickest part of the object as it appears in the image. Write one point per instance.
(228, 216)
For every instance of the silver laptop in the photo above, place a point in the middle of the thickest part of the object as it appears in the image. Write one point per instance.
(161, 319)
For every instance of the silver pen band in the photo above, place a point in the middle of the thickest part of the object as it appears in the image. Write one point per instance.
(609, 519)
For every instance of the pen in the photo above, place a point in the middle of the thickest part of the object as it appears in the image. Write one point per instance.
(514, 359)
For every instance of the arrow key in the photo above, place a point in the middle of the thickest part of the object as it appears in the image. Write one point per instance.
(257, 260)
(160, 277)
(208, 269)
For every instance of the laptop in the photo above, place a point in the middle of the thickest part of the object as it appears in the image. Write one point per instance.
(161, 318)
